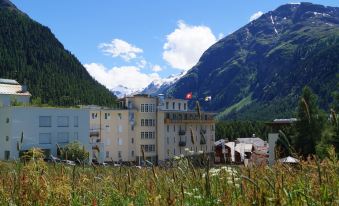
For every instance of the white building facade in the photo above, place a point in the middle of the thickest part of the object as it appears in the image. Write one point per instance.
(42, 128)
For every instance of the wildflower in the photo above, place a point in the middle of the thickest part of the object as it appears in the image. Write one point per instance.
(182, 156)
(186, 149)
(191, 152)
(176, 158)
(201, 152)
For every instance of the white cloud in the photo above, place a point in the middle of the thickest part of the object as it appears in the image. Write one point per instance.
(156, 68)
(256, 15)
(185, 45)
(128, 76)
(142, 63)
(220, 36)
(120, 48)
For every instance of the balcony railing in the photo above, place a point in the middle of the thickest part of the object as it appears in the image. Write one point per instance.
(94, 134)
(182, 143)
(182, 132)
(188, 121)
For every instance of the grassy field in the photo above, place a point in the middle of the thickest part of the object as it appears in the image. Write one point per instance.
(40, 183)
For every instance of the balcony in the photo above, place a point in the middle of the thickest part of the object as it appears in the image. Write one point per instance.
(182, 143)
(94, 134)
(182, 132)
(188, 121)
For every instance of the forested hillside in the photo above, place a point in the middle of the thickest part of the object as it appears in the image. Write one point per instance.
(31, 54)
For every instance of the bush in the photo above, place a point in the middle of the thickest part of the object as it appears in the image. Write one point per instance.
(74, 151)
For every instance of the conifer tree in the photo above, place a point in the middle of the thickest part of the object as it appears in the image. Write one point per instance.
(310, 123)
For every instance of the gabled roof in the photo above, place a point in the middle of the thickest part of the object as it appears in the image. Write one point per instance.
(256, 141)
(12, 87)
(242, 147)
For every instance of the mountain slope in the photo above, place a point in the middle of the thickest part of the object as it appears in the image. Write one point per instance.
(258, 71)
(159, 86)
(30, 53)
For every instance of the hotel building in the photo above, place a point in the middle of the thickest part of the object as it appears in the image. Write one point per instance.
(161, 127)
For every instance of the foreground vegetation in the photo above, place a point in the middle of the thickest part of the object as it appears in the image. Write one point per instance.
(313, 182)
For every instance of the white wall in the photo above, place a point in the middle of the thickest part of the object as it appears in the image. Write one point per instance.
(26, 120)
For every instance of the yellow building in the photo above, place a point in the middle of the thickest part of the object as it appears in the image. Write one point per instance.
(160, 127)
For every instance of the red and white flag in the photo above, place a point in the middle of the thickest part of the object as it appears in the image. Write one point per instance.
(188, 95)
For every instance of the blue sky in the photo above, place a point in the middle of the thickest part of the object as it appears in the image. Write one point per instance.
(131, 43)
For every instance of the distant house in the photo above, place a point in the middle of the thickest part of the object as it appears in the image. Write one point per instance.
(243, 151)
(11, 90)
(224, 151)
(256, 141)
(250, 150)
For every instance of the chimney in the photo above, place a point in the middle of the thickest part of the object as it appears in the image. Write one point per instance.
(24, 87)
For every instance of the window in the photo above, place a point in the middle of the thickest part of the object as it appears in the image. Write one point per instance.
(153, 122)
(107, 154)
(63, 137)
(148, 148)
(174, 139)
(173, 105)
(142, 108)
(120, 142)
(179, 106)
(45, 138)
(62, 121)
(132, 153)
(146, 107)
(7, 155)
(7, 120)
(146, 135)
(76, 136)
(94, 115)
(119, 154)
(120, 128)
(76, 121)
(107, 116)
(120, 116)
(142, 122)
(132, 140)
(45, 121)
(184, 106)
(167, 105)
(146, 122)
(142, 135)
(107, 141)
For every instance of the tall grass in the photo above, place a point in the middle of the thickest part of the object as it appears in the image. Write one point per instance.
(313, 182)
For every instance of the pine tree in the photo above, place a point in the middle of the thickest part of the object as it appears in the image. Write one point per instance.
(310, 123)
